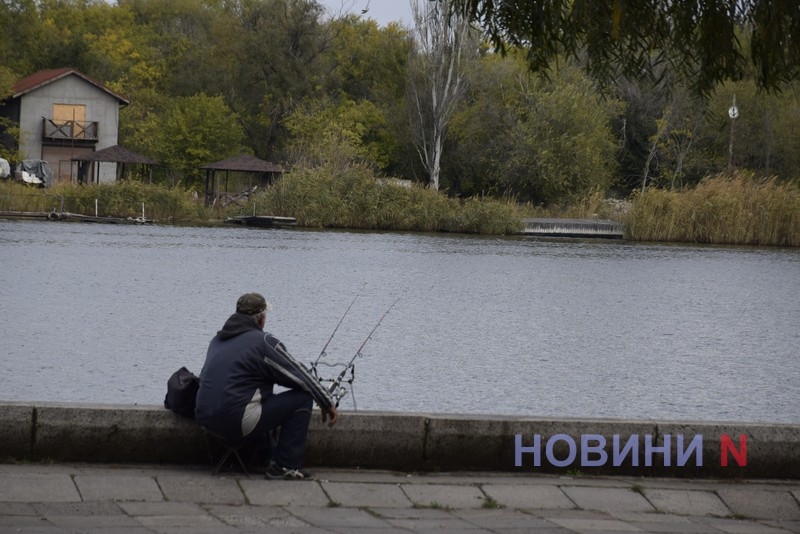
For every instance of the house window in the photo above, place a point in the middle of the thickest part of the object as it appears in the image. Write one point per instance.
(71, 119)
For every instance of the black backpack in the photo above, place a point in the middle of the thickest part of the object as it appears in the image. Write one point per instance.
(182, 389)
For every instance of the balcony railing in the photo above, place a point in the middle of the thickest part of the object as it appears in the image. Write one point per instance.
(75, 130)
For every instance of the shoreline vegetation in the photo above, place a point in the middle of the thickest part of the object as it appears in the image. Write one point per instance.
(737, 209)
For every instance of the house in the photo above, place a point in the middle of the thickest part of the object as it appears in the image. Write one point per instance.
(64, 114)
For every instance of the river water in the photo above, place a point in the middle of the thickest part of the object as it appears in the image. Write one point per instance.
(481, 325)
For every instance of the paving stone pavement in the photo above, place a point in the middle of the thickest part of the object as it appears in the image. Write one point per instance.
(126, 499)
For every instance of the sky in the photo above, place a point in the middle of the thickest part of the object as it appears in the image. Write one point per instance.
(383, 11)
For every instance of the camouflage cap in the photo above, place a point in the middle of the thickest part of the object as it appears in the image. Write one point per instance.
(251, 304)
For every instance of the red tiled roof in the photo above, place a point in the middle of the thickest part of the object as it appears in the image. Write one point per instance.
(43, 77)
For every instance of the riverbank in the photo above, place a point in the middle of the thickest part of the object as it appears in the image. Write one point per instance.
(419, 442)
(735, 210)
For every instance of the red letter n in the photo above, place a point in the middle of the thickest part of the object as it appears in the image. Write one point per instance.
(727, 445)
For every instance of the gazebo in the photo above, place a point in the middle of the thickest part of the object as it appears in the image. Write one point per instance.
(113, 154)
(264, 172)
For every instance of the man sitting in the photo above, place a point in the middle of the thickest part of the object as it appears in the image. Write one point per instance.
(236, 398)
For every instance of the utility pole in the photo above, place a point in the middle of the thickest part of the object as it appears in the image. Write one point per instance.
(733, 113)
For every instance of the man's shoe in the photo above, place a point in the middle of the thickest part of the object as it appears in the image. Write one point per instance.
(276, 472)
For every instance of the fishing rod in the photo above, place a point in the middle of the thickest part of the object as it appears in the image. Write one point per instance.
(322, 352)
(336, 389)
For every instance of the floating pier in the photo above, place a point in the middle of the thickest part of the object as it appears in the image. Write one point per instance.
(262, 221)
(67, 216)
(594, 228)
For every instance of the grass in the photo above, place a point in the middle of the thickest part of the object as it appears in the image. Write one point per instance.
(492, 504)
(740, 209)
(123, 199)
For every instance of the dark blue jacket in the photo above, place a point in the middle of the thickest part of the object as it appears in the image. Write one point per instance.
(242, 366)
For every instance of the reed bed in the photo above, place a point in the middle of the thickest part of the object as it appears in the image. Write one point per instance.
(739, 209)
(351, 197)
(122, 199)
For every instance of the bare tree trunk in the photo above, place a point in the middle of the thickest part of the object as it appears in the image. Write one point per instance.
(436, 77)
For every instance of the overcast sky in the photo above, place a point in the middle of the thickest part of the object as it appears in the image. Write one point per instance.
(383, 11)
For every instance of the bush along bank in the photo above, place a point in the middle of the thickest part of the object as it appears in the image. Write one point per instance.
(737, 209)
(351, 197)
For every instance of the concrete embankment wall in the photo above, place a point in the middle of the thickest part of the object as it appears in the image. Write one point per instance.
(415, 442)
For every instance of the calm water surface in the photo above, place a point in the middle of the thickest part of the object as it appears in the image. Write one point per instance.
(105, 313)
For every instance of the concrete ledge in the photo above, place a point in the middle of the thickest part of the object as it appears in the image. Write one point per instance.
(416, 442)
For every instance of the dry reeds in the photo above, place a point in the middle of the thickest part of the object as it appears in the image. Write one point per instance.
(351, 197)
(739, 209)
(122, 199)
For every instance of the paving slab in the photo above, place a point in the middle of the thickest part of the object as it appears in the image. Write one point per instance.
(503, 520)
(81, 509)
(201, 489)
(525, 496)
(452, 524)
(118, 488)
(366, 495)
(759, 504)
(255, 516)
(38, 488)
(791, 526)
(337, 517)
(687, 502)
(28, 525)
(284, 493)
(401, 513)
(163, 516)
(161, 508)
(608, 499)
(661, 522)
(446, 495)
(595, 525)
(17, 508)
(740, 526)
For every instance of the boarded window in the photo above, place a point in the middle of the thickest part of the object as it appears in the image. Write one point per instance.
(72, 115)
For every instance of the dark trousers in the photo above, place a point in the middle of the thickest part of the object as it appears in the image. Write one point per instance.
(291, 411)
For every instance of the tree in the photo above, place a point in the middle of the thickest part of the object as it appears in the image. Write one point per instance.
(540, 140)
(436, 74)
(189, 133)
(279, 55)
(697, 39)
(338, 134)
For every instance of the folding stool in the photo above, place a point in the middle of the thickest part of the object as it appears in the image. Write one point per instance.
(225, 448)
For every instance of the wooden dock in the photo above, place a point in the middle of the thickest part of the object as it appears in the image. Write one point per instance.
(67, 216)
(584, 228)
(262, 221)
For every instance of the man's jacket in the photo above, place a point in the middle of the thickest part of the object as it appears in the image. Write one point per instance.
(242, 366)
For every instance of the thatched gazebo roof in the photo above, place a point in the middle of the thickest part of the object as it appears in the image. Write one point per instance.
(244, 163)
(113, 154)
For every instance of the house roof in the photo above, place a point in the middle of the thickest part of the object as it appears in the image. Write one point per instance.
(115, 154)
(44, 77)
(244, 163)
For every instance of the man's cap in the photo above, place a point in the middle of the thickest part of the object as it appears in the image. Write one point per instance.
(251, 304)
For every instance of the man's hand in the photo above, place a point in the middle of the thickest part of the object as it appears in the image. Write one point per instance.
(329, 415)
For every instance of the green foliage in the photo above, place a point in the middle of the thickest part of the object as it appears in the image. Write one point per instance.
(540, 140)
(699, 40)
(351, 197)
(190, 132)
(740, 209)
(324, 132)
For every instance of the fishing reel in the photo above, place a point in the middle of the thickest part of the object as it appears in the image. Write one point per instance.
(338, 387)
